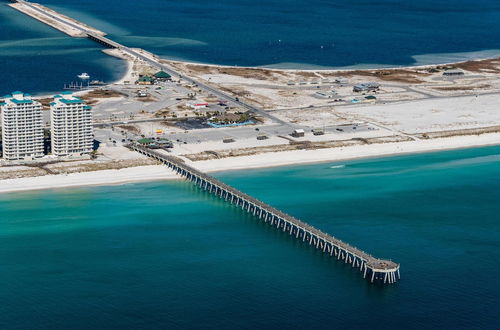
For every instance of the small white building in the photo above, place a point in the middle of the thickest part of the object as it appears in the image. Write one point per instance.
(326, 94)
(71, 125)
(142, 93)
(342, 81)
(198, 106)
(22, 127)
(298, 133)
(453, 72)
(366, 87)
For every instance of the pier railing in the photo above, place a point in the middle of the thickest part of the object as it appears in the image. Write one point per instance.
(375, 270)
(383, 271)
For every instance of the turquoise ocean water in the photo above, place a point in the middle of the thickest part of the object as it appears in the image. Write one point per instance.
(165, 255)
(282, 33)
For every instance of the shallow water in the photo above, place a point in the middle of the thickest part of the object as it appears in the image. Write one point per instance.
(278, 33)
(164, 254)
(320, 33)
(37, 59)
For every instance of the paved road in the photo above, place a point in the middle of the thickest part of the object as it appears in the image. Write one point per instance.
(284, 127)
(206, 87)
(210, 135)
(125, 122)
(251, 132)
(164, 67)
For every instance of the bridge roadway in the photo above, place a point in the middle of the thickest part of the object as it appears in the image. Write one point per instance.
(106, 41)
(375, 270)
(112, 44)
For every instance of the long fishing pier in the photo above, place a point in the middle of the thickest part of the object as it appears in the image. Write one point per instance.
(373, 269)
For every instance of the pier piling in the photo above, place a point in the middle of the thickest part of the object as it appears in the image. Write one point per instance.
(376, 270)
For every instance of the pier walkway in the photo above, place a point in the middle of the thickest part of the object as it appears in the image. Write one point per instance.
(375, 270)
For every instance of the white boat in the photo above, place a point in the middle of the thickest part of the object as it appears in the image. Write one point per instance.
(84, 75)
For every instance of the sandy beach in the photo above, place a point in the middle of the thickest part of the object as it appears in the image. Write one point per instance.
(447, 114)
(159, 172)
(346, 153)
(413, 102)
(130, 73)
(105, 177)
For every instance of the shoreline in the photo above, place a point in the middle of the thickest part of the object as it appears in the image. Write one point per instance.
(317, 156)
(147, 173)
(262, 160)
(65, 25)
(71, 27)
(128, 75)
(130, 72)
(151, 173)
(358, 67)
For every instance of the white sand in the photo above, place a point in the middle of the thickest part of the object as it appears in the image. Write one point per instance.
(344, 153)
(130, 73)
(158, 172)
(106, 177)
(430, 115)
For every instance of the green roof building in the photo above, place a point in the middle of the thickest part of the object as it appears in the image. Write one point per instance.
(145, 141)
(145, 80)
(162, 75)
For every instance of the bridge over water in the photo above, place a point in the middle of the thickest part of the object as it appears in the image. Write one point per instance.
(106, 42)
(375, 270)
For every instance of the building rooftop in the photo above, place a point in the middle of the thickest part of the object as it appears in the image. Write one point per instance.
(162, 74)
(73, 101)
(22, 101)
(17, 98)
(145, 141)
(453, 72)
(66, 98)
(145, 79)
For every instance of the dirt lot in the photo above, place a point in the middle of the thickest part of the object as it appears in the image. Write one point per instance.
(94, 96)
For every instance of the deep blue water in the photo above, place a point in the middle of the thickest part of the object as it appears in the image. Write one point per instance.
(37, 59)
(166, 255)
(312, 32)
(285, 33)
